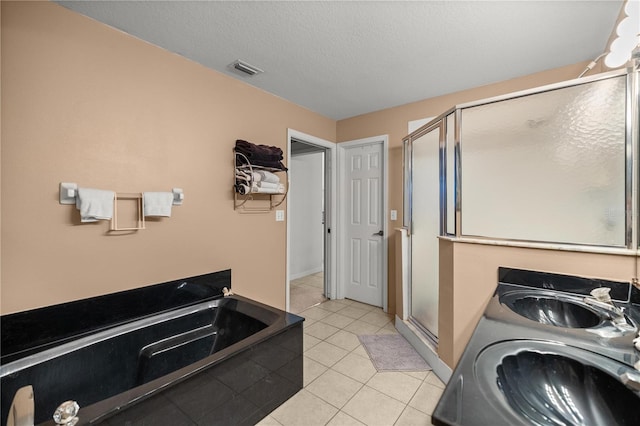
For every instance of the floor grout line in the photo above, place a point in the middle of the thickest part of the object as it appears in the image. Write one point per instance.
(335, 309)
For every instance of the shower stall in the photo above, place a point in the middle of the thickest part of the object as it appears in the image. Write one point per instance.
(553, 167)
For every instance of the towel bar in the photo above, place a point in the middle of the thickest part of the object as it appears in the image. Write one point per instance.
(139, 208)
(69, 191)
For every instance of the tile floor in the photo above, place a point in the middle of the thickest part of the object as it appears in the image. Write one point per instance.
(306, 292)
(341, 385)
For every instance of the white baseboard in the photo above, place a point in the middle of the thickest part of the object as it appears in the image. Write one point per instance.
(424, 348)
(305, 273)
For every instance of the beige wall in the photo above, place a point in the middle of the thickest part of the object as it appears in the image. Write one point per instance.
(471, 273)
(85, 103)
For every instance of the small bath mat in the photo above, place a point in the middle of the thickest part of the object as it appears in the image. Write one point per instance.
(392, 352)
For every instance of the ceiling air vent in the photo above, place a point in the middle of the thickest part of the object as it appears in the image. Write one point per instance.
(246, 68)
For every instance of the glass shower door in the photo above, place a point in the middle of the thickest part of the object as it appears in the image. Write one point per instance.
(425, 228)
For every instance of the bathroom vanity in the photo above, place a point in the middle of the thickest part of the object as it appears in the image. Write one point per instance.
(548, 352)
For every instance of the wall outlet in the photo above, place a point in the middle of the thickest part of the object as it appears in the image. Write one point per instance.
(279, 215)
(394, 214)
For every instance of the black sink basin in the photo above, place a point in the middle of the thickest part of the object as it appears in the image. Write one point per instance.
(548, 384)
(552, 311)
(553, 389)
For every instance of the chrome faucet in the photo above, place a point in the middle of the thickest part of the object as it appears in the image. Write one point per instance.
(600, 299)
(632, 379)
(66, 413)
(21, 412)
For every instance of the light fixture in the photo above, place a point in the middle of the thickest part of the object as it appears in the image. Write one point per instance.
(628, 36)
(246, 68)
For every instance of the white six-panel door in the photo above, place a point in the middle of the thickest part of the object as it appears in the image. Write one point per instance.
(363, 207)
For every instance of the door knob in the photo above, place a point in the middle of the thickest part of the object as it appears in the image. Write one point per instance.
(380, 233)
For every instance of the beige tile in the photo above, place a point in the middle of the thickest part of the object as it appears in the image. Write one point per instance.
(412, 417)
(311, 370)
(335, 388)
(313, 280)
(361, 351)
(420, 375)
(386, 330)
(304, 408)
(300, 304)
(344, 339)
(315, 313)
(356, 367)
(297, 281)
(373, 408)
(303, 297)
(333, 305)
(376, 318)
(343, 419)
(396, 385)
(353, 312)
(326, 354)
(361, 327)
(308, 341)
(366, 307)
(337, 320)
(426, 398)
(321, 330)
(268, 421)
(390, 327)
(434, 380)
(314, 283)
(308, 322)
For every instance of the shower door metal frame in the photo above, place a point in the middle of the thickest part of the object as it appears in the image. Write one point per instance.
(437, 124)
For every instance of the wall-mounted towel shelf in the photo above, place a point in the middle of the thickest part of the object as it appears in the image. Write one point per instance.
(103, 205)
(247, 188)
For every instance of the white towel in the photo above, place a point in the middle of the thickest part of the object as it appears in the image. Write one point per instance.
(255, 189)
(269, 185)
(272, 188)
(94, 204)
(157, 203)
(266, 176)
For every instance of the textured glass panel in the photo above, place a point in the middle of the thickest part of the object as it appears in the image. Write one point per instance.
(425, 230)
(548, 166)
(451, 194)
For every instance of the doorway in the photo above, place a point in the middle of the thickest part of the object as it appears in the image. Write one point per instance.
(310, 209)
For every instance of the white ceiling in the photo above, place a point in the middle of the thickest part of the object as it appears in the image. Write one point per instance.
(346, 58)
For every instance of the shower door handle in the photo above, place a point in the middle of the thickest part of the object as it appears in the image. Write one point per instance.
(379, 233)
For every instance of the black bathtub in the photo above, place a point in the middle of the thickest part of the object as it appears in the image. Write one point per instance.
(174, 353)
